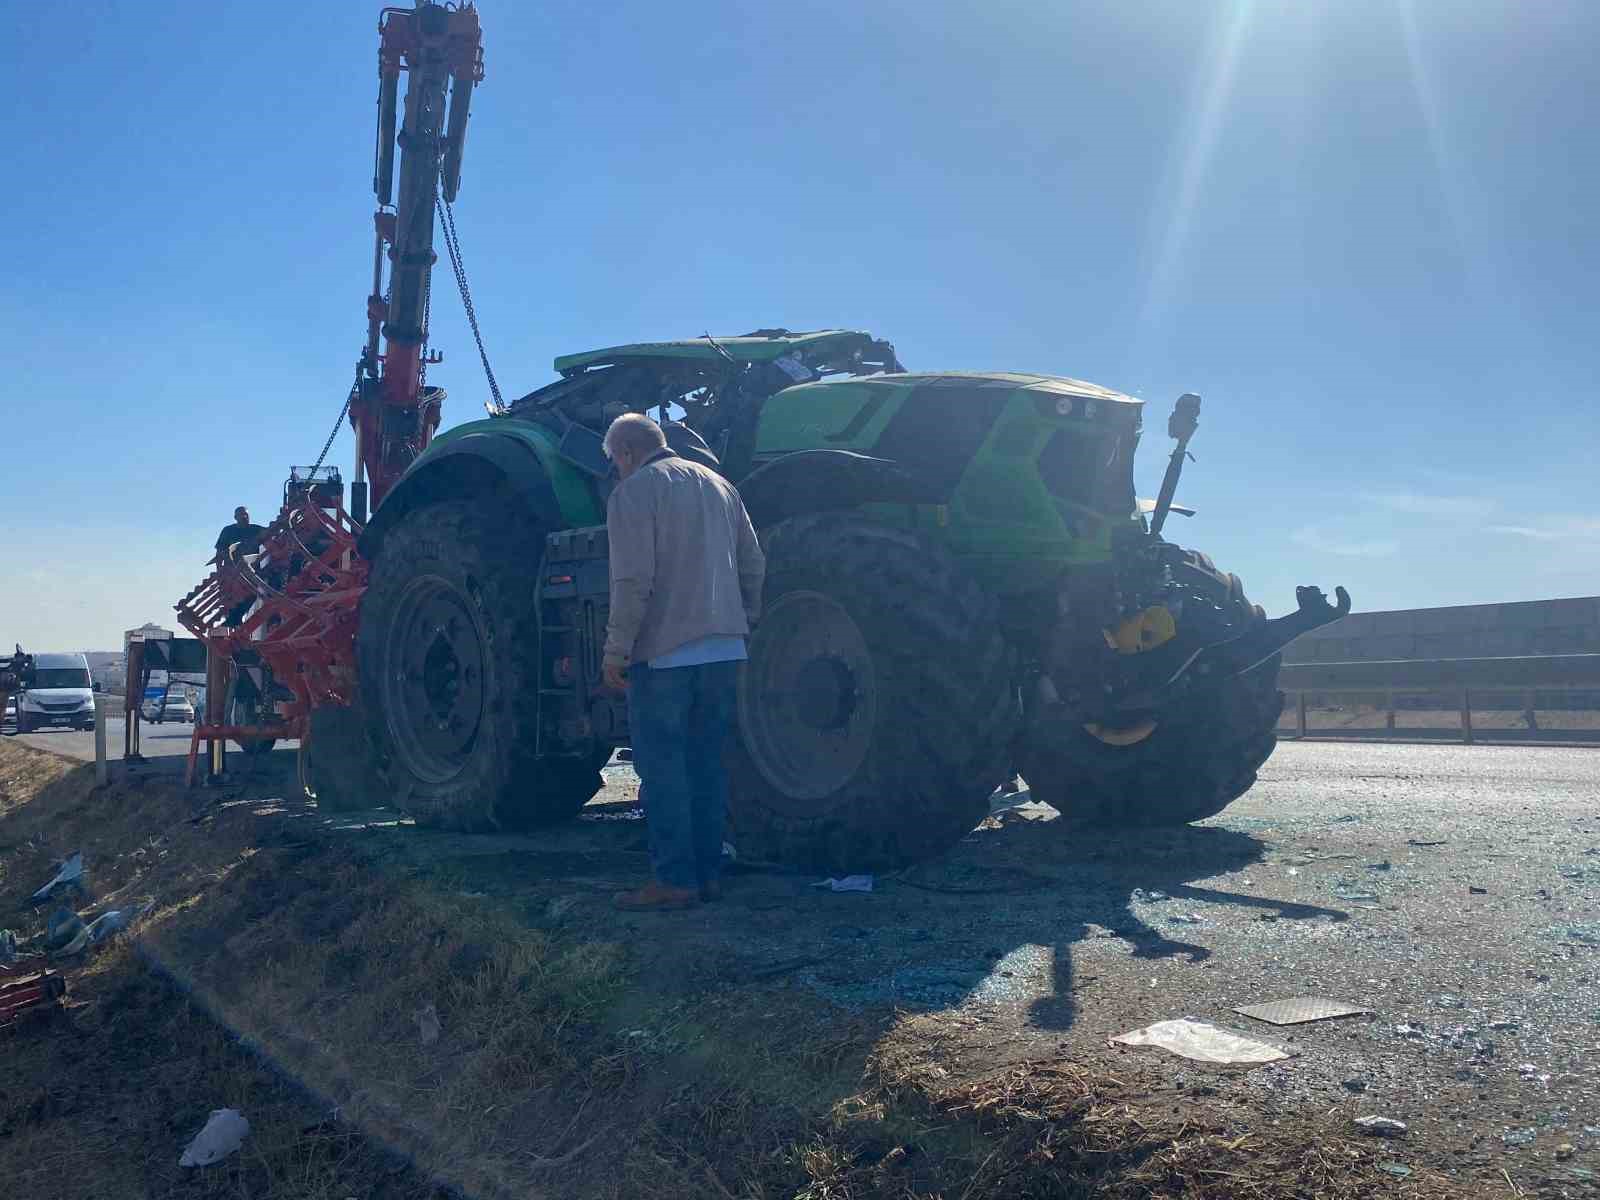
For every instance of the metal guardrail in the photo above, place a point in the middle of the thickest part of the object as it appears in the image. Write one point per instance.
(1532, 679)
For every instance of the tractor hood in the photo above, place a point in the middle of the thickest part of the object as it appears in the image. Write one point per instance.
(1053, 385)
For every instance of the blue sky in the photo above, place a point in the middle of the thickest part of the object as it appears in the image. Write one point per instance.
(1362, 230)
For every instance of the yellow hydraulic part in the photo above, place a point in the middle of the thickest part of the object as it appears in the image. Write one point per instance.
(1141, 632)
(1125, 736)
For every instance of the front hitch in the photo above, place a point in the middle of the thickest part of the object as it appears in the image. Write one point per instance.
(1223, 660)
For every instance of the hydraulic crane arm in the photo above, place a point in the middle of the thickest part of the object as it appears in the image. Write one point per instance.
(393, 414)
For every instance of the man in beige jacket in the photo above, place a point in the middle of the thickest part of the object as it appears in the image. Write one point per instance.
(686, 574)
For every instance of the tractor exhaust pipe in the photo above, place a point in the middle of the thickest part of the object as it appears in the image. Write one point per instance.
(1185, 419)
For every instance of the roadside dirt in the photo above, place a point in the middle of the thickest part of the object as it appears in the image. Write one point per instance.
(475, 1003)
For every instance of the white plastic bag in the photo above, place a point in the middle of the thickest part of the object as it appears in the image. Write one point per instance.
(1201, 1042)
(70, 875)
(223, 1134)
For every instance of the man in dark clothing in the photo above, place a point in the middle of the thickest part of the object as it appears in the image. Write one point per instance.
(241, 533)
(234, 542)
(686, 574)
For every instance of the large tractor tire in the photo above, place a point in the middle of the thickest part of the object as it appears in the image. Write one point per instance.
(878, 705)
(449, 656)
(337, 767)
(1190, 764)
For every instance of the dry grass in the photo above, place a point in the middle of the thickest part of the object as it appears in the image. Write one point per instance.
(1052, 1130)
(100, 1100)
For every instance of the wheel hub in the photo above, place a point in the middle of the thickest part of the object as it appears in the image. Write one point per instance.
(807, 703)
(434, 704)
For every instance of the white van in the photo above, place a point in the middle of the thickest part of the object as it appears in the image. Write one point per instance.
(60, 693)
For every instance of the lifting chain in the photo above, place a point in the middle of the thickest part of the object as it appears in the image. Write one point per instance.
(338, 421)
(452, 246)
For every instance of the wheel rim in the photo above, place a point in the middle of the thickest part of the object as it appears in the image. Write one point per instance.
(433, 685)
(808, 699)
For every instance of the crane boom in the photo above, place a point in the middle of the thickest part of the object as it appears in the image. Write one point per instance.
(393, 414)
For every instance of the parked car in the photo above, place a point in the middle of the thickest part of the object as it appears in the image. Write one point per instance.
(177, 709)
(60, 693)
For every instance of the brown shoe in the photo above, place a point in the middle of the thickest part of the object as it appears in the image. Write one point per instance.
(656, 897)
(711, 891)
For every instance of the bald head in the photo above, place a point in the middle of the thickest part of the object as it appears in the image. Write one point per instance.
(632, 438)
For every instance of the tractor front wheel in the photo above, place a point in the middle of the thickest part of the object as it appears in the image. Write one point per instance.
(877, 706)
(449, 653)
(1188, 763)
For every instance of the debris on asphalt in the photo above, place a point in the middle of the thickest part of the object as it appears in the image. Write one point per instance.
(223, 1133)
(1418, 842)
(1477, 891)
(1139, 894)
(1346, 890)
(1378, 866)
(1588, 934)
(427, 1020)
(70, 875)
(1202, 1042)
(1519, 1137)
(1376, 1126)
(1398, 1170)
(1503, 1026)
(1187, 919)
(1298, 1010)
(848, 883)
(1565, 1151)
(1410, 1031)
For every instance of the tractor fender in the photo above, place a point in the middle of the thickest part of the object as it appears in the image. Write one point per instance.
(494, 461)
(812, 481)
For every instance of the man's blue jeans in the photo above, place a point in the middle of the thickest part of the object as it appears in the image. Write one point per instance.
(679, 718)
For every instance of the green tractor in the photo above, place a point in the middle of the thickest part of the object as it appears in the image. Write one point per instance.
(961, 586)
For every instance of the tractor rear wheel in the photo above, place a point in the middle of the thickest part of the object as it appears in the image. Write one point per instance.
(449, 655)
(878, 704)
(1189, 764)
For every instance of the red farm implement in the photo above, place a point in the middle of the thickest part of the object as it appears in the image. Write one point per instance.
(289, 608)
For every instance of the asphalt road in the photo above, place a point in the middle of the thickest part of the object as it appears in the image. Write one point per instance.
(1453, 891)
(155, 741)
